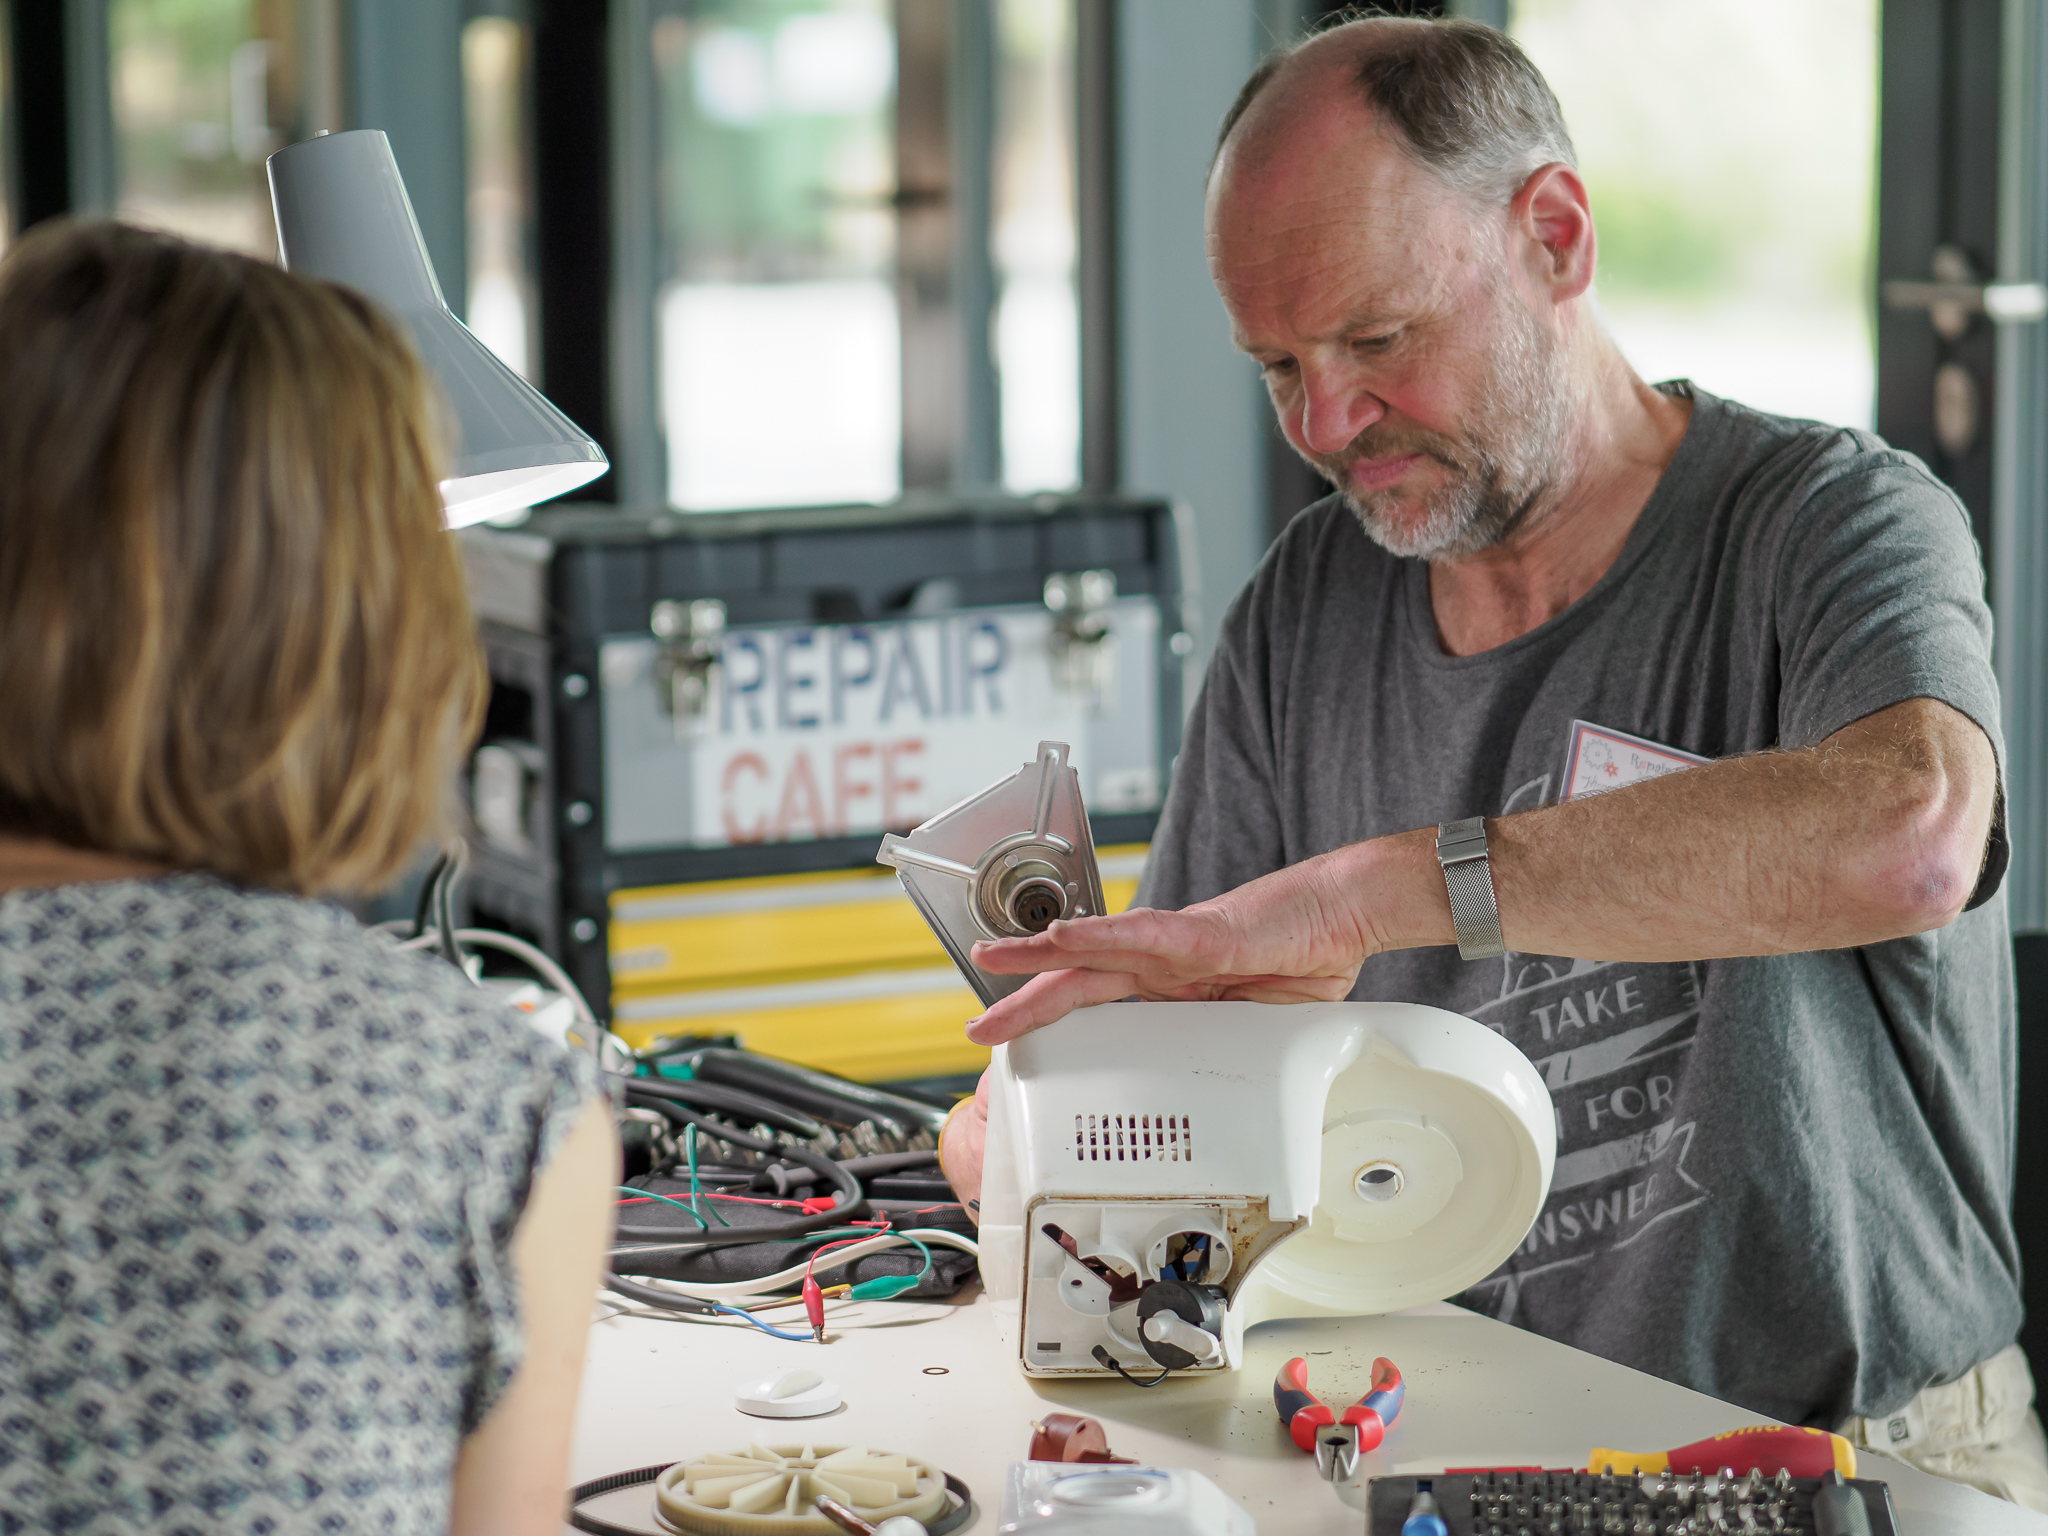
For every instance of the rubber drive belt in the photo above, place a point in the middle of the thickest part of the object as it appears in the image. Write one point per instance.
(958, 1516)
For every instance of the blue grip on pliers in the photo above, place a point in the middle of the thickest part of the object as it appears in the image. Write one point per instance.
(1300, 1410)
(1387, 1390)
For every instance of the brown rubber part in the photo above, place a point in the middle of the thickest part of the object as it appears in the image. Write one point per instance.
(1072, 1437)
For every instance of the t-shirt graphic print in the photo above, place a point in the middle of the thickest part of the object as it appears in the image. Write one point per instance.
(1612, 1041)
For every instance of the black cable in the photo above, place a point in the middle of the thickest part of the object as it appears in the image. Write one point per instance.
(896, 1207)
(444, 905)
(848, 1196)
(732, 1101)
(731, 1135)
(1105, 1359)
(425, 905)
(955, 1519)
(830, 1098)
(889, 1162)
(726, 1176)
(783, 1180)
(668, 1301)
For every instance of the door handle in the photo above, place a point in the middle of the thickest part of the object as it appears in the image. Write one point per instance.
(2001, 303)
(1956, 293)
(1954, 297)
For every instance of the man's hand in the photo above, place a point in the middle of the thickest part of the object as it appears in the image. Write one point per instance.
(1876, 833)
(961, 1143)
(1295, 936)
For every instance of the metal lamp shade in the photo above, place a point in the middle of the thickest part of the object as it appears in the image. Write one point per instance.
(342, 214)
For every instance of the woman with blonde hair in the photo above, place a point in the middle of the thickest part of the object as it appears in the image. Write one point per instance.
(297, 1231)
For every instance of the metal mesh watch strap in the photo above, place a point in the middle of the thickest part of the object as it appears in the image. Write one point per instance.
(1475, 914)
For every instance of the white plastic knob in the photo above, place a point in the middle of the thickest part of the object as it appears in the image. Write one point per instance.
(791, 1394)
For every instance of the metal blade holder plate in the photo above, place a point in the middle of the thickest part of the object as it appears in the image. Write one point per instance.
(1005, 863)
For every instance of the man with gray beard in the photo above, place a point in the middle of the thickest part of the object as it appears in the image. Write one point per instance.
(1656, 733)
(1514, 452)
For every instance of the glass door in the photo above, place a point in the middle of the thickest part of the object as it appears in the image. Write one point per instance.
(202, 91)
(777, 328)
(497, 118)
(1730, 148)
(855, 252)
(1035, 245)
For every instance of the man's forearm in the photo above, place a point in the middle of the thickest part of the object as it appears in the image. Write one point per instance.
(1876, 833)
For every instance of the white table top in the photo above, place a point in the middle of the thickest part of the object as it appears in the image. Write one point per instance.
(1479, 1393)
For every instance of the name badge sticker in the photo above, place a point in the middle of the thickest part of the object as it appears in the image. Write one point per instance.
(1599, 758)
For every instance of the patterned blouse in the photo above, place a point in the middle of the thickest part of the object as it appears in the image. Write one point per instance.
(259, 1173)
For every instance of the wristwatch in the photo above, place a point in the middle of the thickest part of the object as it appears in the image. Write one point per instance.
(1475, 914)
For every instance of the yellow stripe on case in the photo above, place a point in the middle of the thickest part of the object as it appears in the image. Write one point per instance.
(834, 970)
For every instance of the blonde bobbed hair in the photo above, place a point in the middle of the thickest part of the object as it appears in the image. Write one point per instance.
(233, 636)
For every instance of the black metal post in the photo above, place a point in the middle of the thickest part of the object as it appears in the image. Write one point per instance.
(41, 130)
(573, 219)
(1096, 278)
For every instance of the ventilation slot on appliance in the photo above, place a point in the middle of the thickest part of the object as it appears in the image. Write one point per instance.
(1133, 1139)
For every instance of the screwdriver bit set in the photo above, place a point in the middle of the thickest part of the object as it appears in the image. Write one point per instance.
(1580, 1503)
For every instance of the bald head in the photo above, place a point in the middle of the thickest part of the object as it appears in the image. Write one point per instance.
(1460, 98)
(1401, 251)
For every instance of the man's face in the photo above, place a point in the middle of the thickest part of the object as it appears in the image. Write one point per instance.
(1403, 362)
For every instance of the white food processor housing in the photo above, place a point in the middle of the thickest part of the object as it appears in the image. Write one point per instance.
(1337, 1158)
(1158, 1176)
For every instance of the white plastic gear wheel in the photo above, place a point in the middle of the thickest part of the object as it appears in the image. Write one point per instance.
(768, 1490)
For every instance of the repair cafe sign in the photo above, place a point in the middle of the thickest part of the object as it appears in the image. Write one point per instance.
(816, 731)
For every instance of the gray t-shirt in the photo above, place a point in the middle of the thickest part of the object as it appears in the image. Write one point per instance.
(1782, 1181)
(259, 1174)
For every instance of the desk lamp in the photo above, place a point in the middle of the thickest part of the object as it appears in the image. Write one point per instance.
(342, 214)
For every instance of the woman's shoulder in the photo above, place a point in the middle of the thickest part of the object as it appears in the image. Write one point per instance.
(190, 928)
(184, 952)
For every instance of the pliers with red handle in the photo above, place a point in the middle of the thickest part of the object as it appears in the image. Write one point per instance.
(1337, 1443)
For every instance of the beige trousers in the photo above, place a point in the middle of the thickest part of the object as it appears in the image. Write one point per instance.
(1981, 1430)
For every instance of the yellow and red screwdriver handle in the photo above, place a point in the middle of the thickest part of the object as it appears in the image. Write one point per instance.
(1765, 1447)
(1304, 1413)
